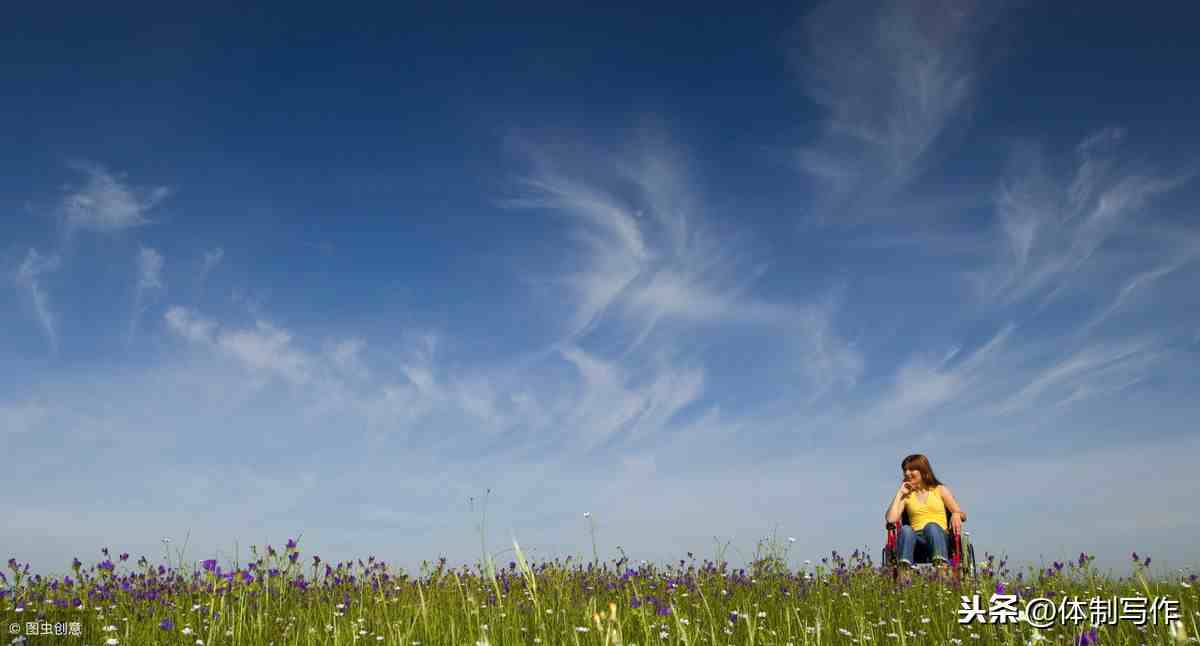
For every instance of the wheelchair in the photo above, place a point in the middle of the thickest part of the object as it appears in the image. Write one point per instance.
(962, 552)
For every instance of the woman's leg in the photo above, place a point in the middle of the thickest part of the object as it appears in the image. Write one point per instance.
(906, 542)
(937, 539)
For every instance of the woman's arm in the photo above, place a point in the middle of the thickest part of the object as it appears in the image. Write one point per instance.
(951, 503)
(894, 510)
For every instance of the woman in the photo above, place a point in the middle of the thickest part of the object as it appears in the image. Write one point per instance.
(926, 500)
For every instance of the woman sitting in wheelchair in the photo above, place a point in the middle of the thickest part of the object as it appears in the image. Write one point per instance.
(925, 501)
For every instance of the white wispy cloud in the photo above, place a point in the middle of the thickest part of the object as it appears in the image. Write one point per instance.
(264, 349)
(651, 256)
(28, 277)
(212, 258)
(608, 406)
(106, 203)
(893, 77)
(347, 355)
(1051, 227)
(1081, 372)
(1177, 254)
(194, 328)
(150, 266)
(149, 271)
(923, 384)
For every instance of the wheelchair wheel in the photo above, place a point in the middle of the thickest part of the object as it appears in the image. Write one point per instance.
(968, 555)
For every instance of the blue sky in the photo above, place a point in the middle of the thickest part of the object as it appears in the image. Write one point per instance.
(706, 276)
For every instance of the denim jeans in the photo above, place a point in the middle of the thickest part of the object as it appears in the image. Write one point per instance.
(931, 537)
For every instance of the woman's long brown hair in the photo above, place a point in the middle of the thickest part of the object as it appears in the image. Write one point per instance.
(920, 463)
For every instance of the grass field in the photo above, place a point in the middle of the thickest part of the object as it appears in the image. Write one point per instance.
(283, 598)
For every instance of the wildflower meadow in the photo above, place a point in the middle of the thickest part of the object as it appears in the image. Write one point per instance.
(287, 598)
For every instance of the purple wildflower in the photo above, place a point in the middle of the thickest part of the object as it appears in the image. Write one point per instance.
(1087, 639)
(733, 615)
(210, 565)
(291, 544)
(1000, 587)
(1147, 563)
(167, 624)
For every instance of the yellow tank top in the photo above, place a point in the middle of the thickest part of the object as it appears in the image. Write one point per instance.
(933, 511)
